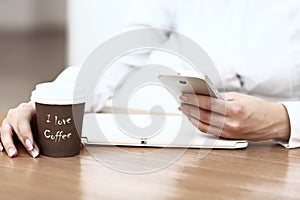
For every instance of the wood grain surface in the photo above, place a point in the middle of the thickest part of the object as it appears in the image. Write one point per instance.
(262, 171)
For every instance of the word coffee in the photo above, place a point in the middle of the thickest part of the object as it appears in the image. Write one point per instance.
(58, 135)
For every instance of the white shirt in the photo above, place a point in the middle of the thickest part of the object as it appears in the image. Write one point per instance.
(258, 40)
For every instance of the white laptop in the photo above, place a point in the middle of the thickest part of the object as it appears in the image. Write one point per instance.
(144, 130)
(160, 130)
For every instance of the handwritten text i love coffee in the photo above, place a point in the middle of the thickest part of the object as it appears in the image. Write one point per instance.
(57, 136)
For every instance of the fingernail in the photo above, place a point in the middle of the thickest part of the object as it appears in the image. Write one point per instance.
(11, 152)
(28, 144)
(180, 108)
(183, 98)
(34, 153)
(1, 147)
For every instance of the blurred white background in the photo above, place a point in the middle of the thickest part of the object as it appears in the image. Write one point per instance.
(91, 22)
(39, 38)
(32, 46)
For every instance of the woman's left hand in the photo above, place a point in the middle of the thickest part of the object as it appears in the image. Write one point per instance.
(238, 116)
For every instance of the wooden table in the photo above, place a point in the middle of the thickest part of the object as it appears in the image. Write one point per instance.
(262, 171)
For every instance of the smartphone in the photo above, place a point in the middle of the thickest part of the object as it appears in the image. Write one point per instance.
(178, 85)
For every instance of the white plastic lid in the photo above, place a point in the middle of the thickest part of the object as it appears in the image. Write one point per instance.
(58, 94)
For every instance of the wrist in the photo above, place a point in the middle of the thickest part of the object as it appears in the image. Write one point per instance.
(283, 128)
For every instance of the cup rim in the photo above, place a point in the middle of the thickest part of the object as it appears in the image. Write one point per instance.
(58, 94)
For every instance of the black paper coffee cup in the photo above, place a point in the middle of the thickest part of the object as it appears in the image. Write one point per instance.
(59, 117)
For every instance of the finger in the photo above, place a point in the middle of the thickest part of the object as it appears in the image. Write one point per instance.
(7, 140)
(216, 131)
(24, 133)
(205, 128)
(35, 152)
(204, 116)
(205, 102)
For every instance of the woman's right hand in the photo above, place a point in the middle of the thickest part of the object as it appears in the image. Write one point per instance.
(17, 122)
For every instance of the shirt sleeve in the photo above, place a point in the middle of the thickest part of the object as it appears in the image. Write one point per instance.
(293, 109)
(108, 84)
(142, 14)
